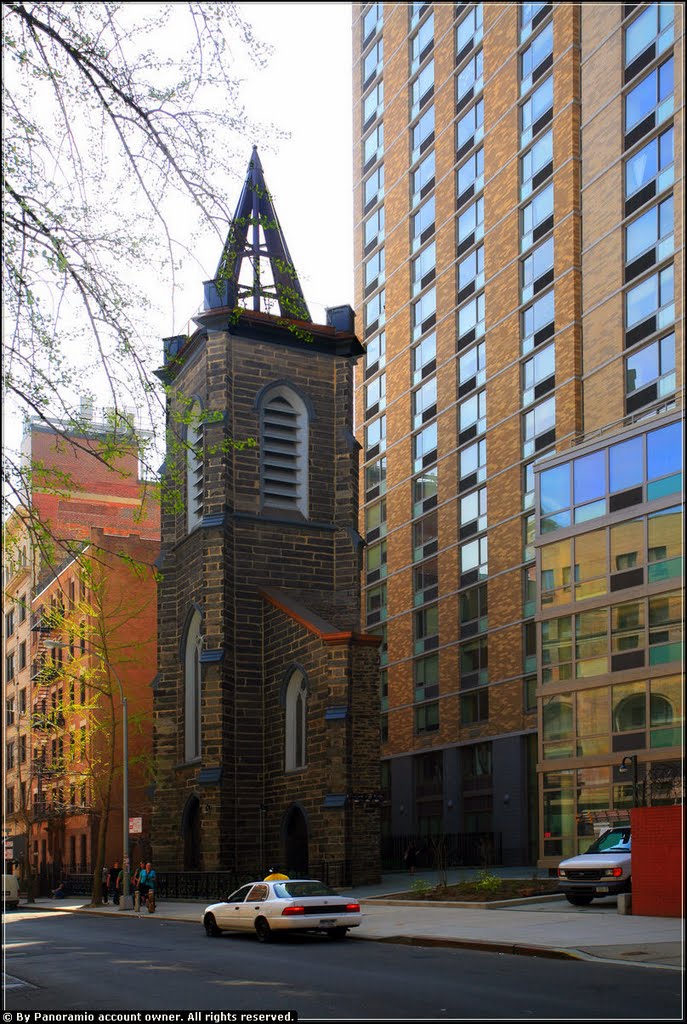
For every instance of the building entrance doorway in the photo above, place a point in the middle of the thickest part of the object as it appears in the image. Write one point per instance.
(190, 828)
(296, 843)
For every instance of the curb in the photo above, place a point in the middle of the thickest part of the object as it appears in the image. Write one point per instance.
(464, 904)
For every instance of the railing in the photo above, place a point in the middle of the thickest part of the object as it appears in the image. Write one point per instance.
(198, 885)
(465, 849)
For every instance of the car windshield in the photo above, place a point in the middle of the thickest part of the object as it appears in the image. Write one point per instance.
(616, 840)
(286, 890)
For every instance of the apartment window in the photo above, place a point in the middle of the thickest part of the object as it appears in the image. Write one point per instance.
(22, 656)
(421, 44)
(649, 35)
(471, 177)
(536, 59)
(9, 799)
(538, 374)
(470, 80)
(375, 603)
(425, 448)
(665, 628)
(664, 543)
(422, 89)
(536, 112)
(374, 271)
(426, 582)
(650, 304)
(422, 224)
(650, 373)
(22, 749)
(373, 229)
(472, 368)
(373, 105)
(474, 663)
(372, 21)
(474, 707)
(537, 270)
(472, 417)
(531, 16)
(375, 354)
(425, 536)
(425, 403)
(471, 273)
(424, 357)
(650, 103)
(528, 485)
(536, 218)
(539, 427)
(427, 718)
(536, 165)
(474, 610)
(649, 239)
(375, 479)
(471, 321)
(422, 133)
(423, 178)
(650, 171)
(9, 711)
(9, 668)
(426, 677)
(375, 312)
(470, 129)
(426, 629)
(473, 464)
(375, 438)
(424, 312)
(474, 560)
(373, 63)
(423, 268)
(538, 322)
(22, 702)
(473, 512)
(373, 146)
(375, 521)
(373, 188)
(9, 756)
(556, 650)
(375, 395)
(9, 623)
(471, 225)
(469, 32)
(425, 490)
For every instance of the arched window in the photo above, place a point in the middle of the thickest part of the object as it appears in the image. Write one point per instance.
(192, 689)
(296, 701)
(194, 468)
(284, 449)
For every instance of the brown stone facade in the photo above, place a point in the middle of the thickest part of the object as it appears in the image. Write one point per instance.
(277, 592)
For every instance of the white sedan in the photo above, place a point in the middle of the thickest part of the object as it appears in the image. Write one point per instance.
(290, 905)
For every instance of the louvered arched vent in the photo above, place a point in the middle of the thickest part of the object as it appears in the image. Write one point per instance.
(284, 452)
(194, 469)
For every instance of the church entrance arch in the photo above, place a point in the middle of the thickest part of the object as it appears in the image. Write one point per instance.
(295, 842)
(190, 830)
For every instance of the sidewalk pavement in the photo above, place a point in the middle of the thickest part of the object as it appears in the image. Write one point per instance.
(544, 926)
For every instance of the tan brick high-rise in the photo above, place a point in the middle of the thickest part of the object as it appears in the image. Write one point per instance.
(492, 149)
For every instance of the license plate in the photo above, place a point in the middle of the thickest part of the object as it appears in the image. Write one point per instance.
(602, 888)
(327, 922)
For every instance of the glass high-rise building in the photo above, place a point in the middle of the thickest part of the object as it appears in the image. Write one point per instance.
(518, 239)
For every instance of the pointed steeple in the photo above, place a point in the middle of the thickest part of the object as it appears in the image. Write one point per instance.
(255, 270)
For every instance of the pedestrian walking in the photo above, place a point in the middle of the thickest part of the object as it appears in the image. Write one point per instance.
(112, 876)
(151, 883)
(105, 874)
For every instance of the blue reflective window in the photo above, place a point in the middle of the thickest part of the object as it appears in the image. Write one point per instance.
(555, 489)
(647, 95)
(589, 477)
(664, 451)
(626, 464)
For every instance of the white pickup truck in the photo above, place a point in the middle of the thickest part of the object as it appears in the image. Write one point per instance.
(604, 870)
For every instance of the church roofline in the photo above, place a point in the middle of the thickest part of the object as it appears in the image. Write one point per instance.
(328, 633)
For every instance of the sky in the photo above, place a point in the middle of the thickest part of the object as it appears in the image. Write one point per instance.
(306, 91)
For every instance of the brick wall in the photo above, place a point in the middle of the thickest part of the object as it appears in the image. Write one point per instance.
(657, 861)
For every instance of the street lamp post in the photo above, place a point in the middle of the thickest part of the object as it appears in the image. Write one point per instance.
(125, 902)
(631, 760)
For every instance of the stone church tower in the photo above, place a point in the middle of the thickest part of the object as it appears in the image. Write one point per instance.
(266, 707)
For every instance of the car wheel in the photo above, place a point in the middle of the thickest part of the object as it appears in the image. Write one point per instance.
(337, 933)
(211, 929)
(578, 900)
(263, 930)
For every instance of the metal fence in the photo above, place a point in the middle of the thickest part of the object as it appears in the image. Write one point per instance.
(467, 849)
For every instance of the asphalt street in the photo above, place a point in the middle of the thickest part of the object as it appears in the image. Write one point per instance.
(63, 962)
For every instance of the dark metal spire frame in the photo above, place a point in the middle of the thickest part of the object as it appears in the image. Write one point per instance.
(255, 210)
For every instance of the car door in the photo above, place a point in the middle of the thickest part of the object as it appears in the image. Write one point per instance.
(229, 913)
(254, 904)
